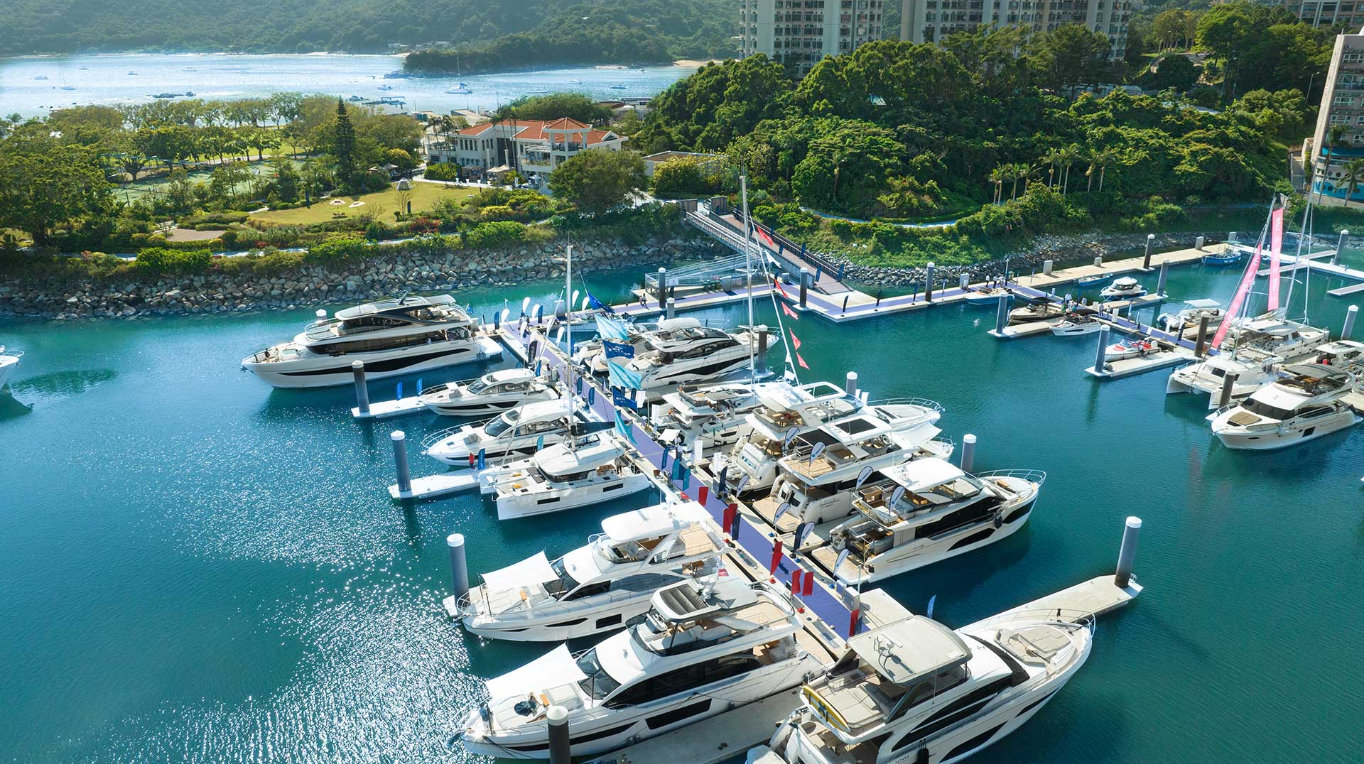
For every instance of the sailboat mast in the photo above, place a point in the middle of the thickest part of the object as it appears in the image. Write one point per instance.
(1297, 261)
(568, 325)
(748, 266)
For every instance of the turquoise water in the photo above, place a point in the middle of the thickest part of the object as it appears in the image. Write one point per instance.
(199, 569)
(105, 80)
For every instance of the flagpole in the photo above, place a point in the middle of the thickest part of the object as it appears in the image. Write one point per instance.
(568, 325)
(748, 267)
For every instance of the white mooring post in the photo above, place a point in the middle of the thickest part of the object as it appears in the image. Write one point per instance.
(962, 281)
(851, 384)
(1002, 314)
(1146, 261)
(1047, 266)
(459, 566)
(1099, 359)
(1351, 313)
(400, 461)
(1098, 261)
(1340, 244)
(559, 749)
(357, 369)
(671, 310)
(1160, 280)
(968, 452)
(1127, 552)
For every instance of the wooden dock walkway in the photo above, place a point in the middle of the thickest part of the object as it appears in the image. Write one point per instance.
(1083, 601)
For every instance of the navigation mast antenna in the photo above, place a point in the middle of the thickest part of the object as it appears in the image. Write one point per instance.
(748, 267)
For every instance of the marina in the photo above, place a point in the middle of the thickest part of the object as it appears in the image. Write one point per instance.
(1060, 535)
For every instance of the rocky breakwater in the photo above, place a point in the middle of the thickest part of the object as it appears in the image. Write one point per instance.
(225, 289)
(1062, 250)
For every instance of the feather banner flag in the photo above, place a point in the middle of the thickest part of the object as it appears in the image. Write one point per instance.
(623, 377)
(1247, 281)
(802, 362)
(598, 304)
(1275, 246)
(776, 282)
(795, 341)
(787, 310)
(764, 238)
(612, 329)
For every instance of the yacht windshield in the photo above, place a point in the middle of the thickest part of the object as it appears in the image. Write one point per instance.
(598, 683)
(477, 386)
(566, 582)
(1267, 411)
(501, 424)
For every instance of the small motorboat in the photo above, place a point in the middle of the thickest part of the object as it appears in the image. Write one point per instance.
(460, 89)
(1125, 287)
(1227, 256)
(1091, 281)
(8, 363)
(985, 296)
(1078, 322)
(1039, 309)
(1176, 323)
(1131, 349)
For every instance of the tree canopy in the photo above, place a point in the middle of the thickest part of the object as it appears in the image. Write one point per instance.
(597, 180)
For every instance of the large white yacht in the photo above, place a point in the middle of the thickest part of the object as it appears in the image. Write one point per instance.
(716, 415)
(578, 471)
(492, 393)
(915, 692)
(1306, 403)
(699, 651)
(519, 432)
(9, 361)
(692, 356)
(922, 512)
(398, 336)
(1254, 350)
(598, 587)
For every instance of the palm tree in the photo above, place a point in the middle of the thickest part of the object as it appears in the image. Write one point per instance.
(1104, 158)
(1017, 172)
(1091, 157)
(997, 177)
(1069, 156)
(1053, 158)
(1354, 174)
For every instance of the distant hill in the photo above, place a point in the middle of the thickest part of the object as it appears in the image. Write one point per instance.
(683, 28)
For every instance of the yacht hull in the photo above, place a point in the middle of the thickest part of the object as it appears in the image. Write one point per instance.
(512, 504)
(609, 729)
(1290, 434)
(480, 406)
(562, 626)
(327, 371)
(7, 367)
(455, 452)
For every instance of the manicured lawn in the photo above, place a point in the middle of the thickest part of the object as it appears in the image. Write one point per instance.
(424, 196)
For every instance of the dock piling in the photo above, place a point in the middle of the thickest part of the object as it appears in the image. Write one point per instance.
(762, 347)
(459, 566)
(559, 751)
(1340, 244)
(662, 291)
(1127, 552)
(1349, 329)
(962, 281)
(1146, 261)
(968, 452)
(1160, 280)
(1098, 261)
(1002, 314)
(851, 384)
(400, 461)
(928, 281)
(357, 368)
(1201, 346)
(1047, 266)
(671, 309)
(1227, 382)
(804, 285)
(1099, 358)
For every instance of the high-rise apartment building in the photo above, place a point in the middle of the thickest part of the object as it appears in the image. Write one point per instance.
(932, 20)
(801, 32)
(1342, 103)
(1325, 13)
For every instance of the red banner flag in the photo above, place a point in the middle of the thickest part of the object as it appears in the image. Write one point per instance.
(802, 362)
(787, 310)
(1275, 245)
(777, 283)
(764, 238)
(795, 341)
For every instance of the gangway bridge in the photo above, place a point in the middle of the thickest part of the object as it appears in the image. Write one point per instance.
(786, 255)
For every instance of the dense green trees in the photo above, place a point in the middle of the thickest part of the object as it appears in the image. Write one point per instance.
(46, 182)
(598, 179)
(555, 105)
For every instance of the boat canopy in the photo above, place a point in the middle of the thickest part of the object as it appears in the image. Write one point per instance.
(553, 669)
(673, 324)
(509, 375)
(905, 650)
(538, 411)
(651, 522)
(1202, 303)
(923, 473)
(405, 302)
(529, 572)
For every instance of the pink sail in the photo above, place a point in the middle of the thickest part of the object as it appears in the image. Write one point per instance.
(1247, 281)
(1275, 246)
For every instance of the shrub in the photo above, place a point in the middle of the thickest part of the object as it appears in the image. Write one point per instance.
(337, 250)
(159, 260)
(495, 234)
(442, 171)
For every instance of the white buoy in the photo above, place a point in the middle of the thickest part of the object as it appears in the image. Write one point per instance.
(321, 314)
(400, 461)
(1127, 553)
(459, 567)
(968, 452)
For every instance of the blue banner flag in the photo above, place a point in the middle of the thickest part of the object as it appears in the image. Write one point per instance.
(623, 400)
(623, 377)
(598, 304)
(591, 395)
(617, 349)
(612, 329)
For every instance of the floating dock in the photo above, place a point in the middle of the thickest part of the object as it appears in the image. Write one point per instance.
(1083, 601)
(434, 486)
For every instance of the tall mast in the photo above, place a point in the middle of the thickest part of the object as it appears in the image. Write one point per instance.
(748, 266)
(568, 325)
(1297, 261)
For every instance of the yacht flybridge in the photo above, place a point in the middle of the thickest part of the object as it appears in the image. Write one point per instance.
(717, 415)
(1306, 403)
(398, 336)
(598, 587)
(1123, 288)
(519, 432)
(915, 692)
(922, 512)
(491, 393)
(1256, 348)
(578, 471)
(699, 651)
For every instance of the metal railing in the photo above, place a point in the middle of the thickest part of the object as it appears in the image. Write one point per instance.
(1032, 476)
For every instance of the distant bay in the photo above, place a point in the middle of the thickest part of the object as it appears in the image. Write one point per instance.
(33, 86)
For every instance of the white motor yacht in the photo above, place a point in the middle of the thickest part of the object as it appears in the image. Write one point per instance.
(1039, 309)
(491, 393)
(1077, 322)
(920, 513)
(915, 692)
(699, 651)
(1131, 348)
(984, 296)
(519, 432)
(1306, 403)
(716, 415)
(398, 336)
(598, 587)
(1189, 318)
(1342, 354)
(576, 472)
(1255, 350)
(638, 336)
(1123, 289)
(693, 356)
(9, 362)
